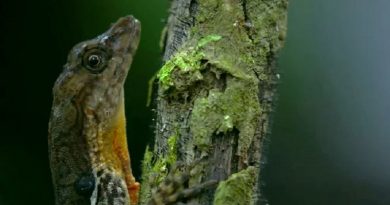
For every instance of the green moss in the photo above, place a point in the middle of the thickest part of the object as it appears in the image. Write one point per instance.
(237, 189)
(244, 53)
(172, 144)
(160, 165)
(145, 192)
(241, 46)
(220, 112)
(186, 61)
(154, 172)
(210, 38)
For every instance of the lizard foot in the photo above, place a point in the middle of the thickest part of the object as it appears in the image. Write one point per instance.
(173, 191)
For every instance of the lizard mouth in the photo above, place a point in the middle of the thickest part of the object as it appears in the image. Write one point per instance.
(123, 36)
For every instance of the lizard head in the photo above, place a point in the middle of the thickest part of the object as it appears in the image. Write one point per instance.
(87, 137)
(98, 67)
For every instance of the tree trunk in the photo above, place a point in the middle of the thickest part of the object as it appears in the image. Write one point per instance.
(215, 95)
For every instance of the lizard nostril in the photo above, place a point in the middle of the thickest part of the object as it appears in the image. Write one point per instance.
(85, 185)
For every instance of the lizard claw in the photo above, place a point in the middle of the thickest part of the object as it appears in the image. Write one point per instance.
(173, 191)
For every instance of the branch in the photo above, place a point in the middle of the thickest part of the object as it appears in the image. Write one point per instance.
(215, 95)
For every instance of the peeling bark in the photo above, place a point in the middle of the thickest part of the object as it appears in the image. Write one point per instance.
(215, 95)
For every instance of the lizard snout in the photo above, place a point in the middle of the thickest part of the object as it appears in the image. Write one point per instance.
(124, 35)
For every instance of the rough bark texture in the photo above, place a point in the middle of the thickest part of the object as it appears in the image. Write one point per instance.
(215, 95)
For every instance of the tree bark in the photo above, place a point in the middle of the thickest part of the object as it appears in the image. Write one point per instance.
(215, 95)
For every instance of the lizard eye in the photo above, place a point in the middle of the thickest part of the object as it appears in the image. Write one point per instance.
(95, 60)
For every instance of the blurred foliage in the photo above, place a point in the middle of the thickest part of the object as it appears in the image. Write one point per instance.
(330, 137)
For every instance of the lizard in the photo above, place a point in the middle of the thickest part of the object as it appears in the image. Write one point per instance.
(88, 154)
(89, 158)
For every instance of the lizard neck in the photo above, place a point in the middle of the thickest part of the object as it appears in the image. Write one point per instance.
(109, 151)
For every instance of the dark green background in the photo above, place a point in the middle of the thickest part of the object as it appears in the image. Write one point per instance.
(331, 135)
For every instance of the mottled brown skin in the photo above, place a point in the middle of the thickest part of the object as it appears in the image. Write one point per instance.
(88, 152)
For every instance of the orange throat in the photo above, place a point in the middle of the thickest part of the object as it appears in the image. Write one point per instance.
(116, 154)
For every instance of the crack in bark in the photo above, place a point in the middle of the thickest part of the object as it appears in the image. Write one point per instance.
(247, 21)
(182, 17)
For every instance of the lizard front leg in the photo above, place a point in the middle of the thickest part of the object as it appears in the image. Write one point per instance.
(174, 189)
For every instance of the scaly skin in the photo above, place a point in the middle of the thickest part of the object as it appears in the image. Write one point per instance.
(88, 152)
